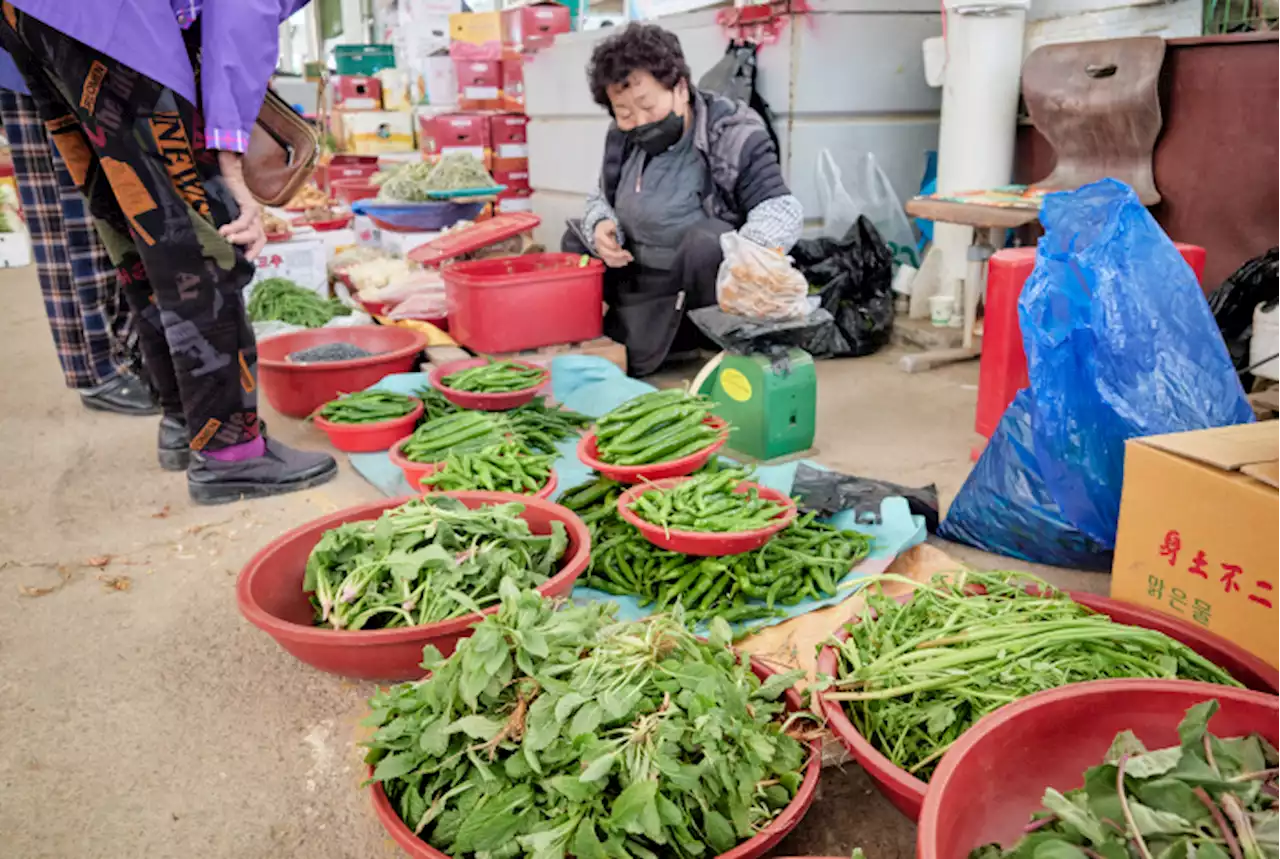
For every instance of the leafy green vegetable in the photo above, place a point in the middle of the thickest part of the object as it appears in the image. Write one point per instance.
(914, 676)
(278, 299)
(571, 733)
(425, 561)
(1207, 798)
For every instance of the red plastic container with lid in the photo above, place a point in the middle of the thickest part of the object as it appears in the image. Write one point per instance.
(514, 303)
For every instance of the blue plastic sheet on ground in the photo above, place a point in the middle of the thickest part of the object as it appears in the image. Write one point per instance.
(594, 386)
(1120, 343)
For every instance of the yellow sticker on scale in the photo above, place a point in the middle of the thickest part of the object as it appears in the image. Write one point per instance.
(735, 385)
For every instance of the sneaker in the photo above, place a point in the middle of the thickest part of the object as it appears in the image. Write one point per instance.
(173, 443)
(281, 469)
(126, 394)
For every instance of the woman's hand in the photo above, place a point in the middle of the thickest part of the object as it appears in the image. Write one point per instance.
(246, 230)
(613, 254)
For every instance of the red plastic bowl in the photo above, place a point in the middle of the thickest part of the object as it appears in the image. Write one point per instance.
(366, 438)
(752, 848)
(415, 471)
(703, 543)
(279, 237)
(907, 792)
(589, 453)
(324, 226)
(297, 390)
(351, 190)
(484, 402)
(993, 778)
(270, 596)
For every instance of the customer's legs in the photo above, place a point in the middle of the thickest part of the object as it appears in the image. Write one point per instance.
(82, 298)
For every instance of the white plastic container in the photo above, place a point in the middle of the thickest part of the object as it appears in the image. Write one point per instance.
(942, 309)
(1265, 342)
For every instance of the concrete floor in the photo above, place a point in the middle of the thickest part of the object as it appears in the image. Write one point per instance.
(142, 717)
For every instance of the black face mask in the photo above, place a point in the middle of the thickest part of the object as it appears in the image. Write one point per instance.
(657, 137)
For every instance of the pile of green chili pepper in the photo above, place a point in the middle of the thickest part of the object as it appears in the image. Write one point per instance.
(278, 299)
(501, 468)
(425, 561)
(707, 503)
(807, 559)
(914, 676)
(455, 433)
(539, 425)
(496, 377)
(366, 407)
(655, 427)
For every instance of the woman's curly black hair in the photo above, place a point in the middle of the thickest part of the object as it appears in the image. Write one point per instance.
(639, 47)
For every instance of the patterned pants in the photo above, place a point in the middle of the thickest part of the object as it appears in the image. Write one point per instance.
(136, 150)
(90, 322)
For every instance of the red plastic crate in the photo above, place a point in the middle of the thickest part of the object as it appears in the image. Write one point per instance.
(514, 303)
(1003, 370)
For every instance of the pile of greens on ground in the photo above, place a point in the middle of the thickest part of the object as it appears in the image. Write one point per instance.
(707, 503)
(914, 676)
(564, 732)
(807, 559)
(656, 427)
(1206, 798)
(425, 561)
(278, 299)
(501, 468)
(366, 407)
(538, 425)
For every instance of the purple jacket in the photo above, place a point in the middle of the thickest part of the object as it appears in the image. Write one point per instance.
(239, 43)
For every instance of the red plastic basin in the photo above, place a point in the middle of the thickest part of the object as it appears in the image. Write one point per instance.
(351, 190)
(907, 792)
(589, 453)
(324, 226)
(415, 471)
(752, 848)
(297, 390)
(270, 596)
(365, 438)
(512, 303)
(703, 543)
(485, 402)
(993, 778)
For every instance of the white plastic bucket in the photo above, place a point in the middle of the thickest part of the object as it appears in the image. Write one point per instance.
(942, 308)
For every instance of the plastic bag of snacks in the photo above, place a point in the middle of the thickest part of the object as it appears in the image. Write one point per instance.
(759, 282)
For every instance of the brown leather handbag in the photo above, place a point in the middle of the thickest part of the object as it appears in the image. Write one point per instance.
(283, 152)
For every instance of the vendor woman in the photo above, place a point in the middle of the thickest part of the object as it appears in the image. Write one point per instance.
(681, 167)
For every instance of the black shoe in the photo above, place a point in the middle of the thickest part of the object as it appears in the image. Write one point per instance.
(173, 444)
(126, 394)
(281, 469)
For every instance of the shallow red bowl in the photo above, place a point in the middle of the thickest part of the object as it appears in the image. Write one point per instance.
(484, 402)
(907, 792)
(704, 543)
(279, 237)
(270, 596)
(414, 472)
(297, 390)
(324, 226)
(995, 775)
(685, 465)
(366, 438)
(352, 190)
(754, 847)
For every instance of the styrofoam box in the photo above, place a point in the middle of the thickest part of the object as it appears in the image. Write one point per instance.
(15, 249)
(302, 260)
(399, 244)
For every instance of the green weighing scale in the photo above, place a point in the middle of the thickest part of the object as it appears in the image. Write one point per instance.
(771, 403)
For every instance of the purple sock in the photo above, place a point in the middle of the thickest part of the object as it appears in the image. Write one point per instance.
(240, 452)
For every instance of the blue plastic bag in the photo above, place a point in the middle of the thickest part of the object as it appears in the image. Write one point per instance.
(1120, 343)
(1005, 507)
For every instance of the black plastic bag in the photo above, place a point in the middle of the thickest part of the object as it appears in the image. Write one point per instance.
(734, 76)
(1005, 507)
(828, 492)
(854, 275)
(815, 334)
(1233, 303)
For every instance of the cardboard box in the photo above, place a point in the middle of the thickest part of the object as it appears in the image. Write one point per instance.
(437, 81)
(363, 59)
(357, 92)
(515, 200)
(529, 28)
(479, 84)
(512, 83)
(515, 180)
(376, 131)
(509, 133)
(454, 132)
(366, 232)
(395, 89)
(476, 35)
(302, 260)
(1198, 531)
